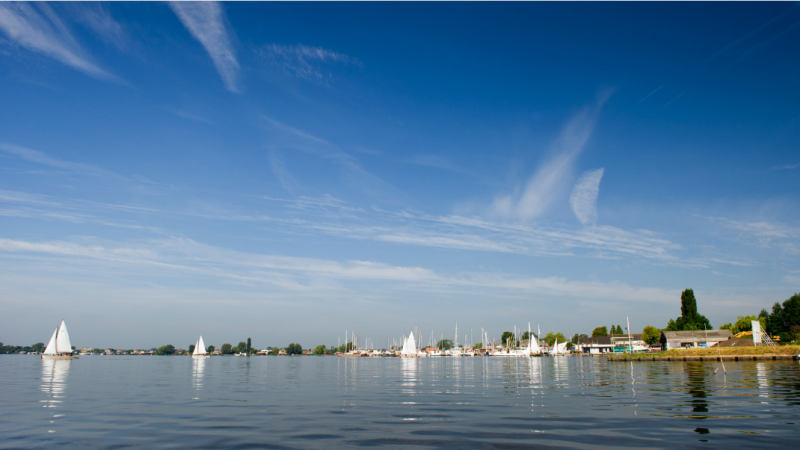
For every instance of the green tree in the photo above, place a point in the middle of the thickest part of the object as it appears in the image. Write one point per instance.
(445, 344)
(689, 319)
(525, 335)
(551, 337)
(600, 332)
(38, 347)
(210, 348)
(726, 326)
(775, 322)
(478, 345)
(651, 335)
(577, 337)
(249, 346)
(294, 349)
(168, 349)
(241, 348)
(191, 349)
(226, 349)
(320, 350)
(504, 338)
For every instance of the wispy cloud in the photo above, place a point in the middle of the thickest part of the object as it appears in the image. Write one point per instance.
(787, 167)
(206, 22)
(303, 61)
(764, 234)
(583, 199)
(39, 29)
(188, 258)
(186, 115)
(96, 17)
(43, 158)
(297, 132)
(542, 188)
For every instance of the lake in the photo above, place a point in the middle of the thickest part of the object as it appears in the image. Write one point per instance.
(309, 402)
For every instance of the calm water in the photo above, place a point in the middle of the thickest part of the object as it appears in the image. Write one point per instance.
(328, 402)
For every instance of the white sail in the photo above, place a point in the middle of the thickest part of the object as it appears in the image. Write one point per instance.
(410, 346)
(555, 347)
(200, 348)
(62, 340)
(51, 346)
(562, 348)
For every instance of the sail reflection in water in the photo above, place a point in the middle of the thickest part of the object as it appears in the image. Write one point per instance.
(408, 373)
(198, 370)
(54, 384)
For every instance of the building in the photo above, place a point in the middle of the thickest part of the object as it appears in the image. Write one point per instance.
(688, 339)
(611, 343)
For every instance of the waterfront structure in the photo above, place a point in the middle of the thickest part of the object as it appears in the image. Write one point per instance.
(59, 346)
(689, 339)
(611, 343)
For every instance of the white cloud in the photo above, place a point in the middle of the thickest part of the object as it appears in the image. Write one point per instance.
(787, 167)
(545, 184)
(206, 22)
(41, 30)
(188, 258)
(303, 61)
(584, 196)
(97, 18)
(42, 158)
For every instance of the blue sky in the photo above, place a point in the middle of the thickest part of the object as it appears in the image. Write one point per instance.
(288, 171)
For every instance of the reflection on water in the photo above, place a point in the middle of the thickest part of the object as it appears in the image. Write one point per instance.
(198, 368)
(54, 384)
(696, 380)
(327, 402)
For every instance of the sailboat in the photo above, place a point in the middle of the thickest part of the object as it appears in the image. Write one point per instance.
(200, 349)
(409, 347)
(59, 346)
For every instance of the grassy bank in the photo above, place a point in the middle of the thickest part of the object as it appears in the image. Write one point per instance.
(713, 351)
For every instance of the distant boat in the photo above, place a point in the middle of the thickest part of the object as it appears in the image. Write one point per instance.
(409, 347)
(200, 349)
(59, 346)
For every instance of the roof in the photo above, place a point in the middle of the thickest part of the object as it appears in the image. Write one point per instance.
(735, 342)
(697, 335)
(606, 340)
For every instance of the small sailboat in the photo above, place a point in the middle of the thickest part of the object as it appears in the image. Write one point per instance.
(409, 347)
(200, 349)
(59, 346)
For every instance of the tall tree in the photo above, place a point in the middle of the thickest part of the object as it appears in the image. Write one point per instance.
(226, 349)
(191, 348)
(689, 319)
(249, 346)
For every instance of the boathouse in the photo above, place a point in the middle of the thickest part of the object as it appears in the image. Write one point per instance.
(697, 338)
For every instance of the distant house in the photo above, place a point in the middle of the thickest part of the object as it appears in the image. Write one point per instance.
(282, 351)
(687, 339)
(614, 342)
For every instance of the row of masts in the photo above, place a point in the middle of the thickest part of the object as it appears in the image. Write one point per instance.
(353, 340)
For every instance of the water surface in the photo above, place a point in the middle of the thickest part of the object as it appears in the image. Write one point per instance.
(105, 402)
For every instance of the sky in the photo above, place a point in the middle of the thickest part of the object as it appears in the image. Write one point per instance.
(292, 171)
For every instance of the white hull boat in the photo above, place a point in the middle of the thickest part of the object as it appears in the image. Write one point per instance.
(200, 349)
(59, 346)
